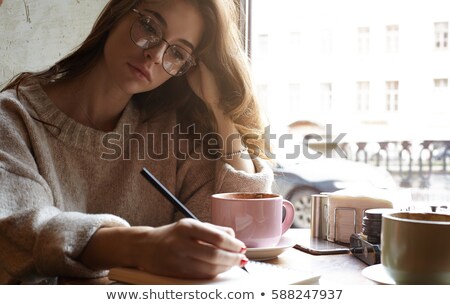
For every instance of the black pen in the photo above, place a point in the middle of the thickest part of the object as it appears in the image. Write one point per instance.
(163, 190)
(174, 200)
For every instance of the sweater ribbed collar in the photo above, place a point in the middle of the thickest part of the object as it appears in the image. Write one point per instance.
(67, 129)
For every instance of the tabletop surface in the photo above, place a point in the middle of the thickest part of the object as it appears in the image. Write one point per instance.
(335, 269)
(342, 269)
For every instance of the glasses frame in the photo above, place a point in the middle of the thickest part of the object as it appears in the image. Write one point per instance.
(190, 59)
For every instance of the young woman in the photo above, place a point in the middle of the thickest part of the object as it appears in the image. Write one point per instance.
(157, 84)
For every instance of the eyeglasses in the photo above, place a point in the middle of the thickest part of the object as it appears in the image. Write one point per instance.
(146, 33)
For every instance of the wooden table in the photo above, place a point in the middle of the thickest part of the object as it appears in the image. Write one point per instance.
(342, 269)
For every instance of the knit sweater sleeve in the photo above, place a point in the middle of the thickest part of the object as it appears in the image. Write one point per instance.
(37, 239)
(199, 179)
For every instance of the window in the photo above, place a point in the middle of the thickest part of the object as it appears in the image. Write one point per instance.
(363, 40)
(441, 35)
(326, 96)
(373, 50)
(441, 96)
(392, 38)
(262, 93)
(294, 99)
(441, 84)
(392, 96)
(263, 45)
(295, 42)
(327, 45)
(363, 96)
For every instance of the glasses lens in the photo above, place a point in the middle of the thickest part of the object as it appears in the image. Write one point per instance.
(146, 33)
(177, 60)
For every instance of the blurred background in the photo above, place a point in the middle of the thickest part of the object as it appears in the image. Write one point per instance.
(375, 72)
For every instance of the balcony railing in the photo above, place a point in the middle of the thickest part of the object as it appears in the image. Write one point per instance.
(421, 164)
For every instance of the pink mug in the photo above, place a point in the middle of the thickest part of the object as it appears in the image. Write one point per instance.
(256, 218)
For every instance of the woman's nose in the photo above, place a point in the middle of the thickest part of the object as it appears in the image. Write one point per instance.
(156, 53)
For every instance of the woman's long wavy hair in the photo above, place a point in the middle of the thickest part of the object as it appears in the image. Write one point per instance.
(220, 50)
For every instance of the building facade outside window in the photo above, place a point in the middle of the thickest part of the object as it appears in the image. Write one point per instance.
(441, 83)
(295, 42)
(363, 96)
(392, 96)
(363, 40)
(441, 35)
(327, 41)
(295, 98)
(392, 39)
(326, 96)
(356, 87)
(441, 94)
(262, 48)
(262, 91)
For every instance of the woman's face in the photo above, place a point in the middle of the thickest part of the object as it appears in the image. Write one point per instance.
(134, 69)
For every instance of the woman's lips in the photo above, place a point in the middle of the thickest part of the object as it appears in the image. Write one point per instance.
(140, 72)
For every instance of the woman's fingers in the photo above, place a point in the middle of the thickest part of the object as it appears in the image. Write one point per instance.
(192, 268)
(212, 255)
(220, 237)
(190, 249)
(227, 230)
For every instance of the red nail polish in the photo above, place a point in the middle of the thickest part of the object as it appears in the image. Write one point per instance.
(243, 250)
(244, 262)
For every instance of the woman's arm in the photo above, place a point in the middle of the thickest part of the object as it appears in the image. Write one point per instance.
(38, 239)
(187, 248)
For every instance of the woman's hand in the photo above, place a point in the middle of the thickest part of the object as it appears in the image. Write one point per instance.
(203, 83)
(188, 248)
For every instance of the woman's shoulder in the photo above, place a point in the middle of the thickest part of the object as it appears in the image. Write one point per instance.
(9, 96)
(18, 110)
(21, 98)
(11, 106)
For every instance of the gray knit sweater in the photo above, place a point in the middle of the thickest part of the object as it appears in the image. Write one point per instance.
(60, 181)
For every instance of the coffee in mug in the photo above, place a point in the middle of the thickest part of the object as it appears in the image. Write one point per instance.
(256, 218)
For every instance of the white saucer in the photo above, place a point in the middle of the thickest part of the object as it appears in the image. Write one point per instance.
(378, 273)
(266, 253)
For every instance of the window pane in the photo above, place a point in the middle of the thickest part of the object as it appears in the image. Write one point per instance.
(369, 71)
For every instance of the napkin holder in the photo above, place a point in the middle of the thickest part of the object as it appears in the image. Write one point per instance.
(336, 216)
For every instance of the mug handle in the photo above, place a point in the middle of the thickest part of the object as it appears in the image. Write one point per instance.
(289, 217)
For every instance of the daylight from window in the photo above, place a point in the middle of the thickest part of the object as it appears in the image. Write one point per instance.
(376, 71)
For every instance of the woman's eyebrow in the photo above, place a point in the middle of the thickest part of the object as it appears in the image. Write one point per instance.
(187, 44)
(158, 16)
(163, 22)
